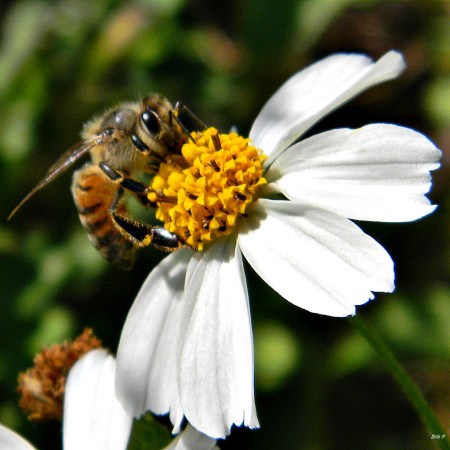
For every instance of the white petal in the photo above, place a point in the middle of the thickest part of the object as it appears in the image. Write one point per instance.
(191, 439)
(315, 259)
(216, 359)
(379, 172)
(146, 358)
(93, 417)
(9, 440)
(316, 91)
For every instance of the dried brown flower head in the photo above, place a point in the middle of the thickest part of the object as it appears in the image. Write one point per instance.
(41, 387)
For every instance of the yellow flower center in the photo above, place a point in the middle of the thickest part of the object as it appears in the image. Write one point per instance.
(201, 195)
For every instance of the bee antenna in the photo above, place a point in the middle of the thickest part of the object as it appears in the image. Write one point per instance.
(60, 166)
(14, 211)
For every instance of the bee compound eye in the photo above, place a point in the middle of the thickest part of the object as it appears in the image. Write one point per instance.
(151, 121)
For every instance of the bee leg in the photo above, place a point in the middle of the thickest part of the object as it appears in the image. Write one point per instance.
(139, 233)
(142, 234)
(186, 119)
(139, 189)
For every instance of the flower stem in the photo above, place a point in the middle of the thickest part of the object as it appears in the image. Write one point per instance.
(407, 384)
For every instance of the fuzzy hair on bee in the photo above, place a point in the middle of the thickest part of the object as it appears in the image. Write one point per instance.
(125, 142)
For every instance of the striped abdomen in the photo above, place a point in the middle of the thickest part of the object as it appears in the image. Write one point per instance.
(93, 193)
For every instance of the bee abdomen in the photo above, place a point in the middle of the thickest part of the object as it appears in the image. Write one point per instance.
(93, 193)
(84, 188)
(89, 210)
(95, 227)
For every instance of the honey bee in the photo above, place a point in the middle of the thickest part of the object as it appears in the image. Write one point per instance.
(126, 141)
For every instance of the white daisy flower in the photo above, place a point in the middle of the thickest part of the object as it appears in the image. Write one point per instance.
(12, 441)
(192, 439)
(186, 348)
(189, 439)
(93, 417)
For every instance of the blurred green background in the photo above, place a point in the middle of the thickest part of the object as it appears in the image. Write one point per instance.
(318, 384)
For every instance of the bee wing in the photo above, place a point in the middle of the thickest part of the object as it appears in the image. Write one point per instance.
(61, 165)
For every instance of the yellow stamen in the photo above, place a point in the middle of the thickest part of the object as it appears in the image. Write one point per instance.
(223, 175)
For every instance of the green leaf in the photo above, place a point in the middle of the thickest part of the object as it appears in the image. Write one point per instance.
(148, 434)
